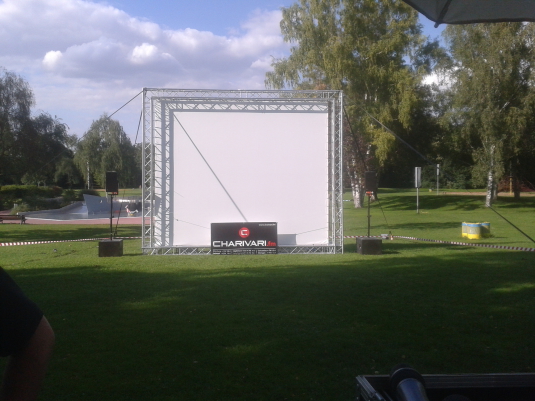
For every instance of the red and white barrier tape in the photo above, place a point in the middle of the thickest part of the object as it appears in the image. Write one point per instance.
(511, 248)
(54, 242)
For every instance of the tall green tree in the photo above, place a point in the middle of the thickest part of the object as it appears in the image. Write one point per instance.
(43, 142)
(492, 95)
(16, 101)
(30, 147)
(362, 47)
(67, 173)
(106, 147)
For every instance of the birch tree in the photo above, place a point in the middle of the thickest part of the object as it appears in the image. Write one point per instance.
(492, 95)
(361, 47)
(106, 147)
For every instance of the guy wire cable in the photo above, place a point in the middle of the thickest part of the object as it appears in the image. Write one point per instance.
(522, 232)
(403, 141)
(213, 172)
(384, 215)
(135, 142)
(356, 141)
(82, 137)
(116, 111)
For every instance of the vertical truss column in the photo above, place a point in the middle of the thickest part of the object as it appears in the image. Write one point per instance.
(148, 163)
(338, 189)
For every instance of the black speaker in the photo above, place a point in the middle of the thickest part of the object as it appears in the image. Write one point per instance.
(110, 247)
(112, 185)
(369, 246)
(370, 181)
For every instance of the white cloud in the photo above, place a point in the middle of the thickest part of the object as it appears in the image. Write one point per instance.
(52, 58)
(81, 56)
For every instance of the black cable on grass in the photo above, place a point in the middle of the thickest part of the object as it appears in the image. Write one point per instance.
(522, 232)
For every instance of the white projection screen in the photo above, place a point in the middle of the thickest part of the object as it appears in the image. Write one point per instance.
(242, 156)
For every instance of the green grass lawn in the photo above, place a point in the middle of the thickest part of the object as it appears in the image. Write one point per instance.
(124, 192)
(283, 327)
(440, 217)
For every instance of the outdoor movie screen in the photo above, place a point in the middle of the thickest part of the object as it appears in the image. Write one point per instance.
(243, 166)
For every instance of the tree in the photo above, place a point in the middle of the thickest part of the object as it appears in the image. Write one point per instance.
(106, 147)
(16, 100)
(30, 147)
(492, 96)
(44, 141)
(361, 47)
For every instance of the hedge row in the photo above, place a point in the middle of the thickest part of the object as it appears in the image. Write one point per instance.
(31, 197)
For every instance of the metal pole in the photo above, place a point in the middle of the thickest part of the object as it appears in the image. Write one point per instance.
(417, 200)
(369, 215)
(111, 216)
(438, 172)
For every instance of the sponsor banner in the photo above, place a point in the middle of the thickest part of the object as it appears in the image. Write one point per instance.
(257, 238)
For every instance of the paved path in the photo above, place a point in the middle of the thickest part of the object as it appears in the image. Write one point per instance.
(32, 220)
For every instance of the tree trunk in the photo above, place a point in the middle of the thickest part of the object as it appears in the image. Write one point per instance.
(490, 189)
(494, 190)
(491, 185)
(357, 190)
(516, 188)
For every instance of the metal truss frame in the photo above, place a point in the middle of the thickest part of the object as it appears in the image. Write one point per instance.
(158, 105)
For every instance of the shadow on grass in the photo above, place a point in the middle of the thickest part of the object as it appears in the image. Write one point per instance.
(407, 201)
(431, 202)
(18, 233)
(280, 327)
(512, 203)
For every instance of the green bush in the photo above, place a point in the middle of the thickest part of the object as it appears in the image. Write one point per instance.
(21, 191)
(21, 207)
(451, 177)
(29, 197)
(69, 196)
(32, 203)
(80, 193)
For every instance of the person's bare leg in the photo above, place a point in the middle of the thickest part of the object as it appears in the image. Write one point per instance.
(26, 370)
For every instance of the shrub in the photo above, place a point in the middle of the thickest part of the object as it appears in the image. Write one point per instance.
(80, 193)
(21, 191)
(69, 196)
(29, 197)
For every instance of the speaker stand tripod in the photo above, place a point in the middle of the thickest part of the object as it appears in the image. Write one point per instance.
(369, 245)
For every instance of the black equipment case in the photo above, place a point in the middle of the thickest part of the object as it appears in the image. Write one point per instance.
(472, 387)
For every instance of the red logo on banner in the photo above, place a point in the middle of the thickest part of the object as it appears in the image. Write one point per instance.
(244, 232)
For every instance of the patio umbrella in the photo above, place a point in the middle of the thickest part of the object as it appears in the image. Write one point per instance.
(472, 11)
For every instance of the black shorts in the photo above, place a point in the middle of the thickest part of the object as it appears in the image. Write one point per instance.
(19, 317)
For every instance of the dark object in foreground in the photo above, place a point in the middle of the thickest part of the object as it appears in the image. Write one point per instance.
(110, 247)
(473, 11)
(26, 339)
(407, 384)
(469, 387)
(369, 246)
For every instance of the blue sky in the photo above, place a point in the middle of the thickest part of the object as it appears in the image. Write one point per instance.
(219, 17)
(84, 58)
